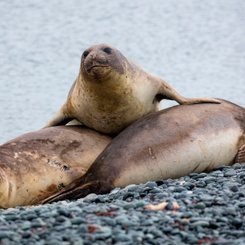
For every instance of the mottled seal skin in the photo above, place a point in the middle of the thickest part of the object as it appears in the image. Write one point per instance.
(166, 144)
(111, 92)
(39, 164)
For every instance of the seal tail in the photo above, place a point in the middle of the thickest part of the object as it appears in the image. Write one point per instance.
(75, 191)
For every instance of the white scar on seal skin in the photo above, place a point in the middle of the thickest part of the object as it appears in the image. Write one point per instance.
(111, 92)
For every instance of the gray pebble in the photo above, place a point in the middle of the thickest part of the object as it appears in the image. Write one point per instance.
(162, 195)
(81, 229)
(229, 173)
(237, 222)
(179, 189)
(200, 205)
(202, 223)
(64, 212)
(206, 197)
(128, 205)
(122, 238)
(151, 184)
(6, 234)
(222, 219)
(77, 221)
(108, 221)
(38, 223)
(209, 179)
(241, 204)
(139, 204)
(241, 175)
(201, 183)
(236, 166)
(26, 234)
(234, 188)
(90, 197)
(53, 242)
(199, 176)
(123, 220)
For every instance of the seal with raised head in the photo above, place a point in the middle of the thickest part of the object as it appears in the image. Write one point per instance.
(167, 144)
(39, 164)
(111, 92)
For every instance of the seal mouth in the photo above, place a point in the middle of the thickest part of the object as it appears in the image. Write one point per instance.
(89, 69)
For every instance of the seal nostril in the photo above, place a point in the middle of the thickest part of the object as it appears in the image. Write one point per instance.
(85, 53)
(107, 50)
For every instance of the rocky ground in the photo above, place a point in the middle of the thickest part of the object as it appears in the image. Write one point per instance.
(196, 209)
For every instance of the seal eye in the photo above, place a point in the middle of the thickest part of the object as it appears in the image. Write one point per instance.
(85, 54)
(107, 50)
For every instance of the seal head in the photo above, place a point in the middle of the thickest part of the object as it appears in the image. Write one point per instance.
(97, 63)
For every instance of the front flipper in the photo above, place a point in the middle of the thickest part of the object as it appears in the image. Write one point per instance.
(79, 189)
(60, 118)
(167, 92)
(240, 157)
(70, 193)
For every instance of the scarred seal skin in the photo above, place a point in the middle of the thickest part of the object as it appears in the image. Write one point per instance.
(167, 144)
(39, 164)
(111, 92)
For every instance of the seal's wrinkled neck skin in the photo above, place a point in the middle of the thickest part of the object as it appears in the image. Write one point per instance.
(101, 63)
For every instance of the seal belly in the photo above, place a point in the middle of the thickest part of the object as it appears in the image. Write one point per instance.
(197, 152)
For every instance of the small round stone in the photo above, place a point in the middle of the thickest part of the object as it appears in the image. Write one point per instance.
(229, 173)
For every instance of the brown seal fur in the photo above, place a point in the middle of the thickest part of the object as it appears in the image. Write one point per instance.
(38, 164)
(111, 92)
(166, 144)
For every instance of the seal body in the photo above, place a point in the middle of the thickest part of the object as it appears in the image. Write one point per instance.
(38, 164)
(167, 144)
(111, 92)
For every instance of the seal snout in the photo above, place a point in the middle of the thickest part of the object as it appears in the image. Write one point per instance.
(96, 58)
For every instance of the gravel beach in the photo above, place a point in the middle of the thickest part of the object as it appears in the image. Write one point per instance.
(197, 46)
(196, 209)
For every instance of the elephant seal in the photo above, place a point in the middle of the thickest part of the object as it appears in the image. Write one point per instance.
(111, 92)
(167, 144)
(38, 164)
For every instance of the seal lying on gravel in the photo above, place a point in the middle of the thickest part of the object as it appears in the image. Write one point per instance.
(38, 164)
(111, 92)
(166, 144)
